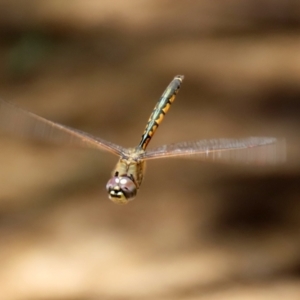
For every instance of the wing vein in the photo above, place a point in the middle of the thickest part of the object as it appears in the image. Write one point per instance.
(248, 150)
(28, 124)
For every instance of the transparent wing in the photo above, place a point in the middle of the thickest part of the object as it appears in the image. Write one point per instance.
(260, 150)
(22, 122)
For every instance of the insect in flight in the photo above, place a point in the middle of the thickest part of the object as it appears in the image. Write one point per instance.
(129, 171)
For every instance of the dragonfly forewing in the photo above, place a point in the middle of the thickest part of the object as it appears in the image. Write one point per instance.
(27, 124)
(254, 150)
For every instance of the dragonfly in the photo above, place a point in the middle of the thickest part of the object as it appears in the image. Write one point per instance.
(128, 174)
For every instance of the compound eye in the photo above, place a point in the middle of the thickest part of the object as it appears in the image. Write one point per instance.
(121, 189)
(128, 187)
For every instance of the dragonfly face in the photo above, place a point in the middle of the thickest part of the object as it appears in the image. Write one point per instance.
(129, 171)
(126, 177)
(121, 189)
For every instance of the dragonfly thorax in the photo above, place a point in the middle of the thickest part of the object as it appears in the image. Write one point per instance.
(121, 189)
(126, 180)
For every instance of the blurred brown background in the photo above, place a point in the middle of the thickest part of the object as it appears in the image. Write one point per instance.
(197, 230)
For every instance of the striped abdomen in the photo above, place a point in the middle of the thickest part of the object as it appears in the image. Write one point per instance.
(160, 109)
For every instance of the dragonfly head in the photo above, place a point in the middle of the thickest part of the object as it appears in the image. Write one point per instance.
(121, 189)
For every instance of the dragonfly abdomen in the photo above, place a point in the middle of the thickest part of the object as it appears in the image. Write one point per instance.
(160, 110)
